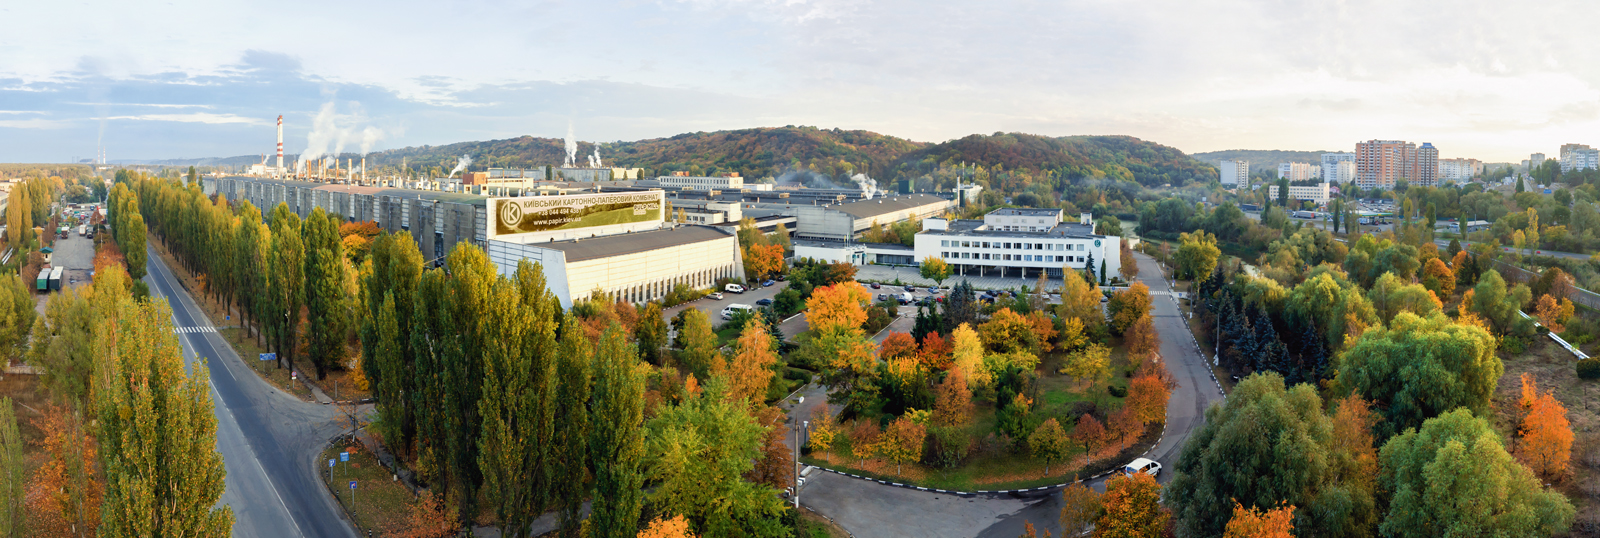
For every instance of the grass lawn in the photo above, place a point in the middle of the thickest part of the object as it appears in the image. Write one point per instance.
(378, 503)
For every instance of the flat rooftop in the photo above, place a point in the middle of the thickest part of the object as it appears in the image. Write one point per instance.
(970, 227)
(594, 248)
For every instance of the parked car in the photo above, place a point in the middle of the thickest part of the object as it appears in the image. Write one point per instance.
(883, 297)
(911, 288)
(764, 302)
(877, 286)
(733, 288)
(782, 277)
(768, 283)
(1142, 465)
(717, 295)
(730, 310)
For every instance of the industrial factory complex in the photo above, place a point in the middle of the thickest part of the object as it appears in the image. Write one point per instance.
(634, 239)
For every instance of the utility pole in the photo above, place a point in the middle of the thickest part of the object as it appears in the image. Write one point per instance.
(804, 426)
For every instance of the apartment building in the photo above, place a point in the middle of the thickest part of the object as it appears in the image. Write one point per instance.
(1427, 171)
(1339, 167)
(1235, 174)
(1295, 171)
(1380, 163)
(1579, 157)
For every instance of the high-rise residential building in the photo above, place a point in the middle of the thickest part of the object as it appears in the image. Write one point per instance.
(1459, 170)
(1332, 172)
(1578, 157)
(1427, 170)
(1379, 163)
(1535, 160)
(1294, 171)
(1235, 174)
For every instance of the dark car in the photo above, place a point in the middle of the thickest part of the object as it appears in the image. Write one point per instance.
(877, 286)
(782, 277)
(763, 302)
(911, 288)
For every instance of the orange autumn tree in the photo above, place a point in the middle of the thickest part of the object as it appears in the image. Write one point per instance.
(675, 527)
(749, 371)
(1089, 433)
(1141, 339)
(935, 352)
(776, 466)
(1147, 398)
(430, 517)
(1546, 436)
(763, 260)
(1132, 508)
(897, 345)
(863, 438)
(953, 405)
(1439, 279)
(837, 307)
(824, 431)
(1128, 305)
(1251, 523)
(1554, 314)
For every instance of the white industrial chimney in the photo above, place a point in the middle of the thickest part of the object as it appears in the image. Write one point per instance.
(278, 172)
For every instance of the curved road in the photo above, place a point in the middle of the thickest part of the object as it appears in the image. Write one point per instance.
(268, 439)
(871, 510)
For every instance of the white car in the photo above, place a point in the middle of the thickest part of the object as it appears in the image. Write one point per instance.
(1143, 465)
(715, 295)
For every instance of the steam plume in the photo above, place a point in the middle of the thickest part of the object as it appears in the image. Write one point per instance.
(572, 147)
(460, 165)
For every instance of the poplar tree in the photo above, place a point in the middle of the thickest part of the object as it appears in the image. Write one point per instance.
(157, 434)
(569, 480)
(392, 272)
(287, 284)
(11, 472)
(324, 291)
(519, 367)
(616, 442)
(133, 246)
(429, 339)
(251, 245)
(471, 277)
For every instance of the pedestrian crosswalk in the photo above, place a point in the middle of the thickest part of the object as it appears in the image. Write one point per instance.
(193, 330)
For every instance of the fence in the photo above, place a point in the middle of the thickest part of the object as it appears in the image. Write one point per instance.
(1579, 295)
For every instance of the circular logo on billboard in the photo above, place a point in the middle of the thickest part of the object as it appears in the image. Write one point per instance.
(1097, 242)
(510, 213)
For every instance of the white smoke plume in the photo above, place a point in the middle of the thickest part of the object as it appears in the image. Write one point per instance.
(572, 147)
(460, 165)
(332, 131)
(323, 132)
(867, 185)
(369, 137)
(594, 160)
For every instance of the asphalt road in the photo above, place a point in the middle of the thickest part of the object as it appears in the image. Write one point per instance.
(1569, 255)
(871, 510)
(268, 439)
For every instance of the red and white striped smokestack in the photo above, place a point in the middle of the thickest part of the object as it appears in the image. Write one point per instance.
(279, 171)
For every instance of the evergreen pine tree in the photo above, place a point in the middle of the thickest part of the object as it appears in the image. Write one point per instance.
(1265, 336)
(1102, 272)
(1088, 267)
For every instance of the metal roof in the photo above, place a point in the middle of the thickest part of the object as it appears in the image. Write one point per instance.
(887, 205)
(1026, 211)
(633, 243)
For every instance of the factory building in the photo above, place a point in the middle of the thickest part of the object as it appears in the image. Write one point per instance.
(845, 221)
(617, 240)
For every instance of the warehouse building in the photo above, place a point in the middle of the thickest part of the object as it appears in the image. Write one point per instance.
(617, 241)
(845, 221)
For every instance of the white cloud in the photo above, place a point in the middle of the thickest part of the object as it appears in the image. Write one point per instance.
(198, 117)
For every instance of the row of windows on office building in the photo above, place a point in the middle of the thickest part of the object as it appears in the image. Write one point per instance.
(1012, 257)
(1013, 246)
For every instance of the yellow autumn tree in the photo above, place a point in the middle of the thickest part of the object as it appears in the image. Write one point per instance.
(968, 356)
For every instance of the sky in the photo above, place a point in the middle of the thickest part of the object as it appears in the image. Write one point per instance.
(1485, 79)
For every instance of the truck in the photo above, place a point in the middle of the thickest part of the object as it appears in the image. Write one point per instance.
(55, 278)
(43, 283)
(82, 230)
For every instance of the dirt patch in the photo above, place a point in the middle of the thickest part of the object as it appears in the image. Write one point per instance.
(1554, 369)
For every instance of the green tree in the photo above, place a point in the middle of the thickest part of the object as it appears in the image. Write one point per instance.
(286, 287)
(65, 346)
(133, 246)
(569, 480)
(1453, 478)
(1267, 445)
(11, 472)
(326, 319)
(616, 444)
(518, 399)
(697, 343)
(651, 333)
(1497, 304)
(252, 247)
(471, 277)
(1049, 443)
(1418, 368)
(158, 434)
(698, 452)
(391, 274)
(1197, 255)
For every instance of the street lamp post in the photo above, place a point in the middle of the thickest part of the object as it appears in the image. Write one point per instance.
(803, 426)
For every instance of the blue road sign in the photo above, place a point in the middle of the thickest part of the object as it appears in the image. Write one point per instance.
(344, 456)
(330, 464)
(352, 484)
(269, 356)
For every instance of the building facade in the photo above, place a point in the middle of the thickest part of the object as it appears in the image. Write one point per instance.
(1335, 170)
(1295, 171)
(1427, 171)
(1535, 160)
(843, 222)
(1380, 163)
(986, 248)
(1579, 157)
(1459, 170)
(1235, 174)
(1316, 193)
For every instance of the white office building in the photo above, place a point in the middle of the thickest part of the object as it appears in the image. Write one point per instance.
(1334, 170)
(1235, 174)
(1316, 193)
(1019, 243)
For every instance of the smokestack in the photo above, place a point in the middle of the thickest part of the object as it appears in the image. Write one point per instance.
(279, 171)
(363, 167)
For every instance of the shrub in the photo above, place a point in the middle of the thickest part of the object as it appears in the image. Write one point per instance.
(1116, 391)
(1589, 368)
(947, 447)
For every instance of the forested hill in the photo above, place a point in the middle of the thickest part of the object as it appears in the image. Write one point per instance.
(1112, 157)
(1265, 159)
(770, 151)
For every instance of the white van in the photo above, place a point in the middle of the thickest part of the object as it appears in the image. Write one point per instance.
(733, 288)
(727, 313)
(1142, 465)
